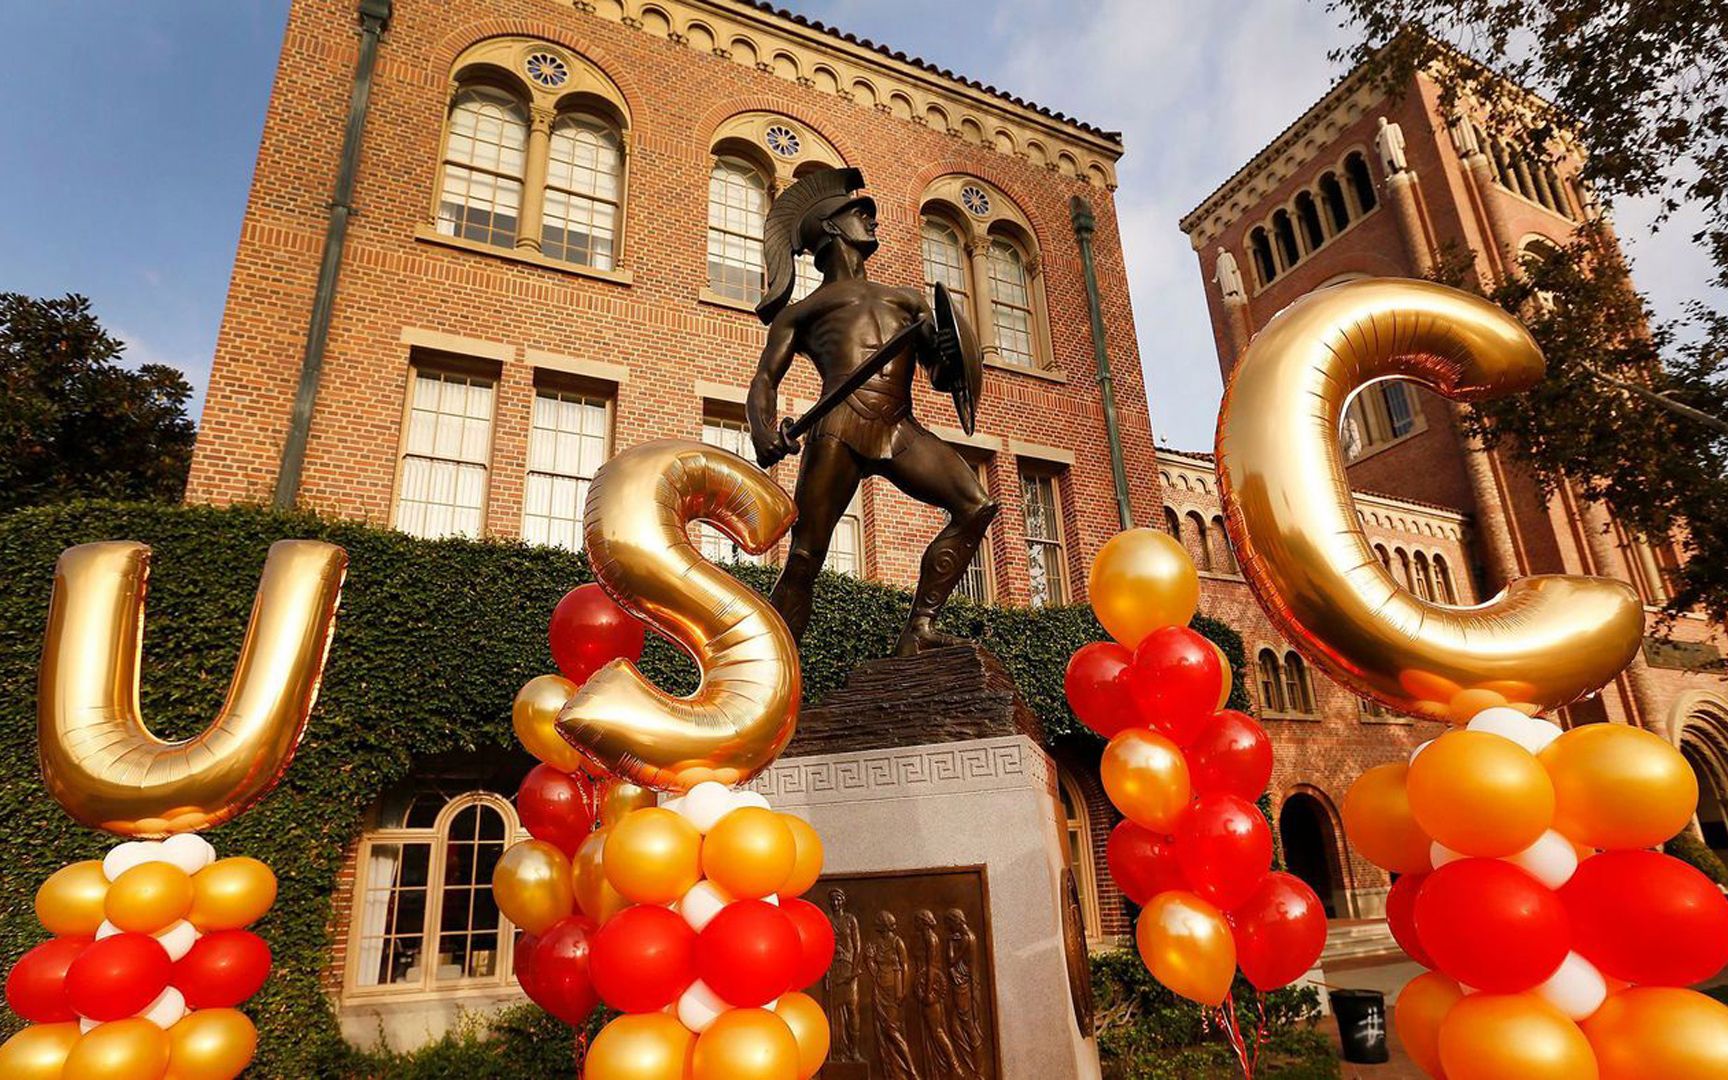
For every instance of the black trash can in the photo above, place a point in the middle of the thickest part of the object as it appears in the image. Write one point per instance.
(1361, 1025)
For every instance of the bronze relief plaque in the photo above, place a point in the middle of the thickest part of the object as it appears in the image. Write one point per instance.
(911, 994)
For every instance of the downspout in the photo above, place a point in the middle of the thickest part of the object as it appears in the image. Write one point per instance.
(374, 14)
(1080, 211)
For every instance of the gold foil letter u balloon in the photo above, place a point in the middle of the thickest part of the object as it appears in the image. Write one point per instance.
(639, 508)
(98, 758)
(1541, 643)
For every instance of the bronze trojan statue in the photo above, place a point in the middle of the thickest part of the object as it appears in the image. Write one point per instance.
(867, 342)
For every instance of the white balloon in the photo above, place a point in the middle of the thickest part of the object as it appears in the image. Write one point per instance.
(750, 798)
(773, 1006)
(131, 853)
(1576, 988)
(189, 851)
(1511, 724)
(705, 804)
(702, 903)
(1439, 854)
(106, 930)
(85, 1024)
(1419, 749)
(1541, 733)
(166, 1010)
(699, 1007)
(178, 939)
(674, 804)
(1552, 859)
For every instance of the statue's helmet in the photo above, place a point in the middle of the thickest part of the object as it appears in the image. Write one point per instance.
(795, 225)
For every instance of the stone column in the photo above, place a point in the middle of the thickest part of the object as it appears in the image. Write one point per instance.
(534, 178)
(1402, 188)
(979, 252)
(1598, 536)
(1493, 524)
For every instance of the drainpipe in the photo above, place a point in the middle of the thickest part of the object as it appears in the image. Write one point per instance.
(374, 14)
(1080, 212)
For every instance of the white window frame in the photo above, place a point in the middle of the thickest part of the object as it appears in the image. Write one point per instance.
(601, 198)
(407, 452)
(498, 174)
(733, 225)
(581, 478)
(1059, 594)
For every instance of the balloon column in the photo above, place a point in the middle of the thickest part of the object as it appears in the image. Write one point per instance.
(150, 955)
(1194, 852)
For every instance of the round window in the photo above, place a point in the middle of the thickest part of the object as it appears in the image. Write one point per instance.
(547, 70)
(975, 199)
(782, 140)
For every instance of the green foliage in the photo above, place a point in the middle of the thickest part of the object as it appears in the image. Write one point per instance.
(1692, 851)
(433, 641)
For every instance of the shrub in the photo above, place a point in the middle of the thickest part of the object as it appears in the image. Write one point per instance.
(1692, 851)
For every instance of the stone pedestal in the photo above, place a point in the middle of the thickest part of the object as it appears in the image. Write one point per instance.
(938, 811)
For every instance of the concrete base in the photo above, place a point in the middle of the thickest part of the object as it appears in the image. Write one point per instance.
(408, 1025)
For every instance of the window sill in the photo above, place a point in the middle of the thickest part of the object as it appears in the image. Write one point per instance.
(354, 997)
(428, 235)
(1300, 718)
(714, 299)
(1386, 721)
(1046, 374)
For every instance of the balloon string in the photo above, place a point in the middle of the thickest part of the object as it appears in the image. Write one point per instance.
(581, 1048)
(1228, 1020)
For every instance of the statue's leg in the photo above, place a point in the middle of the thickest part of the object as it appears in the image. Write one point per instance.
(828, 476)
(931, 471)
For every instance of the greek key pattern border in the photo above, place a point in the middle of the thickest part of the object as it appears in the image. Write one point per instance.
(1007, 762)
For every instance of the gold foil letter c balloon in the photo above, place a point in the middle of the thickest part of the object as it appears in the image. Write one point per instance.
(98, 758)
(1543, 642)
(639, 508)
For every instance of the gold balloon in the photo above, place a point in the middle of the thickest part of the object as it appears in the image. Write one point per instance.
(743, 713)
(38, 1052)
(70, 902)
(98, 758)
(1619, 787)
(1545, 641)
(534, 715)
(1500, 1036)
(1422, 1005)
(231, 893)
(746, 1044)
(653, 856)
(1480, 794)
(1146, 777)
(809, 1026)
(134, 1049)
(149, 897)
(1229, 680)
(594, 894)
(1142, 580)
(620, 797)
(211, 1044)
(1659, 1031)
(641, 1046)
(1186, 945)
(533, 886)
(1379, 823)
(807, 864)
(750, 853)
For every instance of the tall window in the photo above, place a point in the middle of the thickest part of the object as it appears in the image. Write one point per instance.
(1298, 692)
(579, 222)
(1285, 235)
(1443, 579)
(424, 914)
(566, 446)
(1308, 214)
(1194, 538)
(1044, 556)
(1379, 414)
(1271, 681)
(733, 435)
(442, 491)
(1077, 831)
(1223, 558)
(1424, 577)
(846, 547)
(1011, 304)
(1361, 181)
(737, 207)
(484, 153)
(1332, 194)
(945, 262)
(977, 583)
(1260, 246)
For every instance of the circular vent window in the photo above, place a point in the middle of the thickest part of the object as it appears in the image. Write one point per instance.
(975, 199)
(547, 70)
(782, 140)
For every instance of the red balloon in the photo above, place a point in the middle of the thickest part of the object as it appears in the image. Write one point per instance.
(1647, 918)
(1224, 846)
(557, 807)
(1401, 917)
(749, 953)
(118, 977)
(1280, 931)
(815, 941)
(1097, 686)
(644, 957)
(559, 977)
(36, 988)
(522, 963)
(222, 969)
(589, 631)
(1231, 754)
(1490, 925)
(1175, 681)
(1142, 862)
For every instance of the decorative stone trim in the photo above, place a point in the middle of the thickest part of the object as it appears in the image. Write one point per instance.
(1004, 763)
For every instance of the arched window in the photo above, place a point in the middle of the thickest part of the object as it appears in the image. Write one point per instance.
(1377, 415)
(1285, 235)
(485, 149)
(1298, 693)
(1443, 579)
(1011, 304)
(1385, 557)
(1172, 524)
(1223, 558)
(1077, 831)
(424, 916)
(1261, 248)
(1332, 194)
(1194, 538)
(1361, 181)
(1271, 681)
(1424, 579)
(1405, 573)
(945, 261)
(1308, 215)
(737, 207)
(584, 168)
(1557, 192)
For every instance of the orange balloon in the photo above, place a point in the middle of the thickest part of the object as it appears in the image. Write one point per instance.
(594, 894)
(149, 897)
(1187, 946)
(1379, 823)
(1146, 777)
(1659, 1031)
(1480, 794)
(1618, 787)
(807, 864)
(1141, 581)
(534, 714)
(1500, 1036)
(69, 903)
(750, 853)
(653, 856)
(1422, 1005)
(38, 1052)
(533, 886)
(746, 1044)
(134, 1049)
(230, 894)
(640, 1046)
(809, 1025)
(211, 1044)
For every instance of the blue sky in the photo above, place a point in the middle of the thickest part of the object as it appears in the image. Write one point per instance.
(126, 168)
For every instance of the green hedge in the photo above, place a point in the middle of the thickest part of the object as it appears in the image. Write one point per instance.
(1693, 852)
(433, 640)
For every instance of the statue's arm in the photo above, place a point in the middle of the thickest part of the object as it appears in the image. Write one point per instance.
(762, 406)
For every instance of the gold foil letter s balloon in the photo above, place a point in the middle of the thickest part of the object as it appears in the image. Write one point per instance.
(98, 758)
(1543, 642)
(639, 508)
